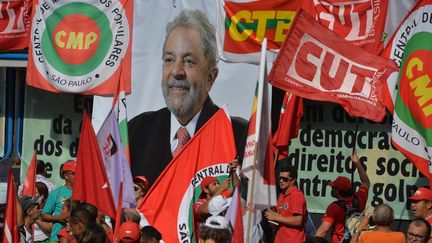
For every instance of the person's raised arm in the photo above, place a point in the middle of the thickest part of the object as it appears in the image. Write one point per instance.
(362, 173)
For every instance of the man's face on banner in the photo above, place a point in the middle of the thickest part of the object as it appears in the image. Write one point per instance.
(186, 77)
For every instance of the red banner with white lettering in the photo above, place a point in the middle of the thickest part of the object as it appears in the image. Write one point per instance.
(360, 22)
(317, 64)
(80, 46)
(14, 24)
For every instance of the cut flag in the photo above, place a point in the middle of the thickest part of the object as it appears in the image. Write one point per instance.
(258, 164)
(29, 188)
(168, 204)
(116, 164)
(91, 183)
(317, 64)
(289, 123)
(10, 231)
(409, 93)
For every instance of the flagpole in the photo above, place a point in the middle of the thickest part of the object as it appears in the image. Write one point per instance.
(251, 185)
(353, 150)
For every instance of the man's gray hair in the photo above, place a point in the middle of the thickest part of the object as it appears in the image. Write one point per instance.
(196, 19)
(383, 215)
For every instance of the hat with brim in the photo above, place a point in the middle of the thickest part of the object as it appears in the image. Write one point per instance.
(204, 183)
(422, 193)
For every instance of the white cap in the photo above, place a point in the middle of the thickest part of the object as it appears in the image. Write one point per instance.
(216, 222)
(218, 204)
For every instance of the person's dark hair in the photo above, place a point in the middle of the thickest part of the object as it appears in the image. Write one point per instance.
(93, 233)
(81, 214)
(92, 210)
(347, 193)
(40, 167)
(418, 222)
(317, 239)
(42, 189)
(218, 235)
(196, 19)
(130, 214)
(383, 215)
(149, 232)
(291, 170)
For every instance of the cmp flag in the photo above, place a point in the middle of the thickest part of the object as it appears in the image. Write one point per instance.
(242, 26)
(168, 204)
(360, 22)
(317, 64)
(14, 24)
(411, 102)
(80, 47)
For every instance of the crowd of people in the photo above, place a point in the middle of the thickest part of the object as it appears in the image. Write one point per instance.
(53, 216)
(189, 71)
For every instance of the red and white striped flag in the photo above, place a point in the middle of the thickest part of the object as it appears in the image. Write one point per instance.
(258, 163)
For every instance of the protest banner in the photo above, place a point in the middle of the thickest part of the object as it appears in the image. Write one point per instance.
(321, 153)
(51, 127)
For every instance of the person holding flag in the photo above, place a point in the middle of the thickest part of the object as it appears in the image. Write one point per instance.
(290, 214)
(211, 189)
(334, 217)
(54, 203)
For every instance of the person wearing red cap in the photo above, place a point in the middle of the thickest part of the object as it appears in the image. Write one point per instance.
(291, 209)
(54, 203)
(211, 188)
(334, 217)
(129, 232)
(421, 204)
(141, 187)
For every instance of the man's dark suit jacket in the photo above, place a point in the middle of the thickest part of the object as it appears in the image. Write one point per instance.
(149, 139)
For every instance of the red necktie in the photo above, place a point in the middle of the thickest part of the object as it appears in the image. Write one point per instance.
(182, 138)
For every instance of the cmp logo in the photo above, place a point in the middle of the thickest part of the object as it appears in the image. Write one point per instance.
(185, 214)
(79, 45)
(414, 105)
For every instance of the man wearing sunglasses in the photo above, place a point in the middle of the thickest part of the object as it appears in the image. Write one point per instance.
(291, 209)
(418, 231)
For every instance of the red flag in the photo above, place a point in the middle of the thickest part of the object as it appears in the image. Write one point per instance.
(289, 123)
(14, 24)
(10, 233)
(359, 22)
(408, 92)
(91, 183)
(118, 213)
(317, 64)
(29, 188)
(167, 206)
(234, 216)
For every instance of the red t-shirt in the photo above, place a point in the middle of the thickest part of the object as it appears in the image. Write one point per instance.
(291, 203)
(197, 217)
(64, 234)
(335, 214)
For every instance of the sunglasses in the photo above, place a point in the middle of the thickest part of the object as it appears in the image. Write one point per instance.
(412, 236)
(285, 179)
